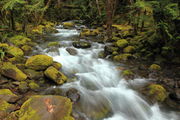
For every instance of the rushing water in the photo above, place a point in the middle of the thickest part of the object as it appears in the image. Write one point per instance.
(101, 86)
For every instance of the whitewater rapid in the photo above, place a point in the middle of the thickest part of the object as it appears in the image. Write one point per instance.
(100, 84)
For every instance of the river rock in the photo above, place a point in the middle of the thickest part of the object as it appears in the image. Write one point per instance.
(53, 74)
(57, 65)
(14, 51)
(68, 24)
(81, 44)
(73, 94)
(8, 96)
(33, 75)
(72, 51)
(39, 62)
(11, 71)
(46, 108)
(109, 49)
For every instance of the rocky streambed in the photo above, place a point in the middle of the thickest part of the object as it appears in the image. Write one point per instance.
(72, 79)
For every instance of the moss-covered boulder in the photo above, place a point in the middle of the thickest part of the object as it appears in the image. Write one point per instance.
(23, 87)
(14, 51)
(122, 57)
(155, 92)
(51, 44)
(121, 43)
(5, 108)
(33, 86)
(49, 108)
(57, 65)
(26, 48)
(39, 62)
(109, 49)
(53, 74)
(88, 32)
(7, 95)
(155, 67)
(19, 40)
(4, 45)
(129, 49)
(33, 75)
(68, 24)
(128, 74)
(81, 44)
(11, 71)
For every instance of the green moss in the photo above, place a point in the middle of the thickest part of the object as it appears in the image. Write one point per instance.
(115, 38)
(68, 24)
(14, 51)
(26, 48)
(4, 45)
(129, 49)
(157, 92)
(11, 71)
(127, 73)
(53, 74)
(33, 86)
(155, 67)
(122, 43)
(39, 62)
(6, 92)
(32, 74)
(38, 30)
(4, 106)
(57, 65)
(19, 40)
(122, 57)
(23, 86)
(50, 44)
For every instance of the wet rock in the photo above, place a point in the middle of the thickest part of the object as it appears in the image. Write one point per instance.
(39, 62)
(73, 94)
(8, 96)
(27, 49)
(49, 108)
(68, 24)
(11, 71)
(81, 44)
(57, 65)
(72, 51)
(123, 57)
(52, 44)
(155, 92)
(33, 86)
(53, 91)
(101, 54)
(33, 75)
(53, 74)
(23, 87)
(175, 95)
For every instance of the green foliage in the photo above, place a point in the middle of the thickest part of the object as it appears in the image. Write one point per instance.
(2, 54)
(11, 4)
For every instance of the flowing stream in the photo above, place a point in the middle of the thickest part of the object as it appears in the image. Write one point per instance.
(100, 85)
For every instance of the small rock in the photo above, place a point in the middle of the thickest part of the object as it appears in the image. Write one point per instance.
(8, 96)
(72, 51)
(73, 95)
(81, 44)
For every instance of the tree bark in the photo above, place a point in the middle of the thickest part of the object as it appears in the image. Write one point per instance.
(12, 23)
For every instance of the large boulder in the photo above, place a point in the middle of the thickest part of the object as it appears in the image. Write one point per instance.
(46, 108)
(53, 74)
(81, 44)
(7, 95)
(122, 43)
(11, 71)
(19, 40)
(39, 62)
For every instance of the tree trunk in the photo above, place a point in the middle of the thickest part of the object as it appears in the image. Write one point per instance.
(98, 7)
(110, 11)
(12, 23)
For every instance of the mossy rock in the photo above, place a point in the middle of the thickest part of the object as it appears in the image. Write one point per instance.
(11, 71)
(81, 44)
(23, 86)
(57, 65)
(39, 30)
(4, 45)
(68, 24)
(33, 86)
(101, 54)
(122, 57)
(88, 32)
(129, 49)
(51, 44)
(155, 67)
(19, 40)
(7, 95)
(156, 92)
(122, 43)
(33, 75)
(53, 74)
(128, 74)
(27, 48)
(39, 62)
(14, 51)
(109, 49)
(5, 107)
(49, 108)
(17, 59)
